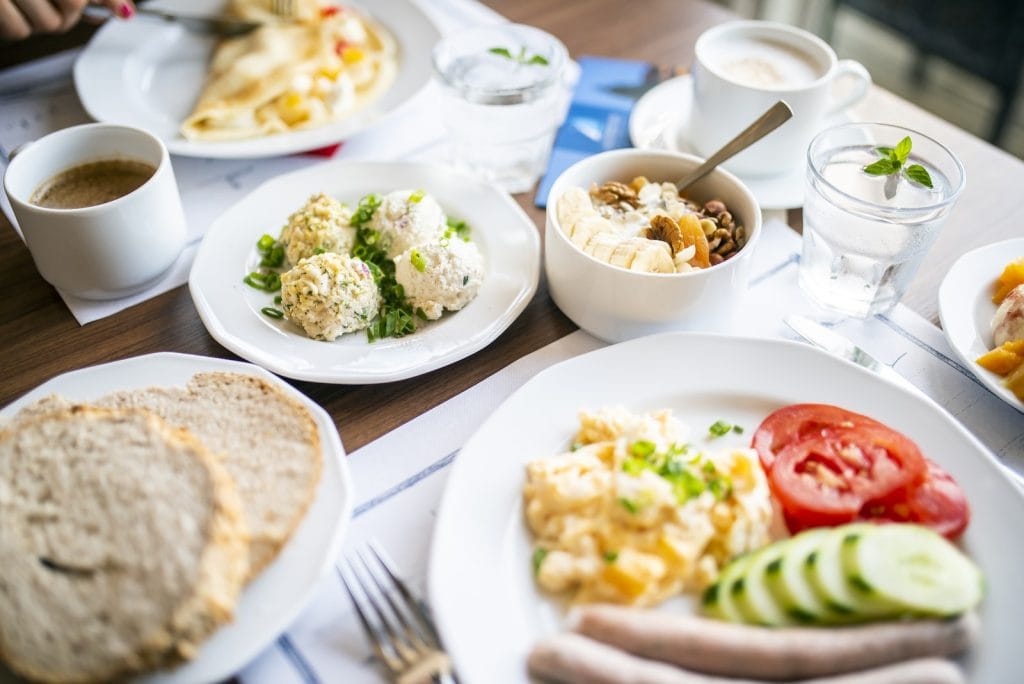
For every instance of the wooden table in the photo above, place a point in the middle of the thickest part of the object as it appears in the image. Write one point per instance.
(40, 338)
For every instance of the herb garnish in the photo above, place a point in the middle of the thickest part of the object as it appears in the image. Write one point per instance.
(689, 478)
(610, 556)
(892, 163)
(539, 554)
(396, 315)
(721, 428)
(520, 58)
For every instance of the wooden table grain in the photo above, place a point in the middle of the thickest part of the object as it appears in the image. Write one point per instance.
(40, 339)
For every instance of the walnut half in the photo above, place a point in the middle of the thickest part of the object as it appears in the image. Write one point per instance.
(665, 229)
(614, 192)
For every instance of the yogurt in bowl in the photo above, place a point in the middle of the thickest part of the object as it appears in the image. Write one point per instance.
(623, 266)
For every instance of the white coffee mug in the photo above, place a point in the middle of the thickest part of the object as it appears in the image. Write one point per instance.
(743, 67)
(108, 250)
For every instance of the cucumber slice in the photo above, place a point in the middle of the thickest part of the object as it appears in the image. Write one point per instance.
(828, 578)
(718, 598)
(751, 592)
(913, 569)
(787, 580)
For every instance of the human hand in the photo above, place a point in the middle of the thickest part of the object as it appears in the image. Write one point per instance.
(21, 18)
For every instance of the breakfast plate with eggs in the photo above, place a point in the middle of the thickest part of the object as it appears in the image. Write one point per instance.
(604, 474)
(293, 85)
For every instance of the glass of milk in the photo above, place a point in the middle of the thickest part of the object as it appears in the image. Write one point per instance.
(865, 235)
(502, 100)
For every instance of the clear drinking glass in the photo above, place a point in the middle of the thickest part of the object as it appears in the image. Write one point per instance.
(502, 100)
(865, 235)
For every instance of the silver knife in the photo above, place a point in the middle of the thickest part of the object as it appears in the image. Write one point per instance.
(836, 344)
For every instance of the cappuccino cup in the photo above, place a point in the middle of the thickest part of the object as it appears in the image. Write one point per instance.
(99, 210)
(742, 68)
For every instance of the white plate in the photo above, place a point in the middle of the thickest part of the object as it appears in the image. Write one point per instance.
(149, 73)
(481, 587)
(966, 309)
(231, 310)
(270, 603)
(660, 121)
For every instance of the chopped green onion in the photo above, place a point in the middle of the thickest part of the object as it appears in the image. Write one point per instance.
(719, 428)
(629, 505)
(721, 487)
(272, 312)
(417, 261)
(610, 556)
(256, 280)
(634, 466)
(465, 279)
(277, 299)
(272, 283)
(576, 446)
(642, 448)
(738, 429)
(417, 197)
(265, 243)
(364, 212)
(319, 250)
(539, 554)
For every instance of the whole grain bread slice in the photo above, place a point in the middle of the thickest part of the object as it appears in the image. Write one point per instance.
(122, 541)
(267, 441)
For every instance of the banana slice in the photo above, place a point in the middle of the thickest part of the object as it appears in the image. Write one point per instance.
(601, 246)
(587, 227)
(624, 253)
(654, 256)
(573, 205)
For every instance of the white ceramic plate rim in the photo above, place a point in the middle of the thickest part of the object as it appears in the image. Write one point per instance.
(651, 113)
(511, 279)
(283, 588)
(479, 565)
(966, 309)
(108, 51)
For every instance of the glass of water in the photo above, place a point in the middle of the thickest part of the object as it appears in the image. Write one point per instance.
(502, 100)
(865, 235)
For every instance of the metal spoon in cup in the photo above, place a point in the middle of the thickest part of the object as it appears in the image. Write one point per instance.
(778, 114)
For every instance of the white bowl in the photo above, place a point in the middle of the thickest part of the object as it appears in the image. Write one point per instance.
(616, 304)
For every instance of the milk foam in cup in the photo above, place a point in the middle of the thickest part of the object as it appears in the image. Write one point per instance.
(108, 250)
(742, 68)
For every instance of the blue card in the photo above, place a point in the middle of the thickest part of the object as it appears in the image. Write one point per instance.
(598, 117)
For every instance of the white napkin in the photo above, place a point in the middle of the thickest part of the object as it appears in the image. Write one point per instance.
(400, 477)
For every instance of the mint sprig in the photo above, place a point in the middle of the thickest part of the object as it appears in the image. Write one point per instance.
(892, 163)
(521, 57)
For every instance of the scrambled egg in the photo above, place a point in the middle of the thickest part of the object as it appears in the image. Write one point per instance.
(635, 514)
(322, 225)
(329, 294)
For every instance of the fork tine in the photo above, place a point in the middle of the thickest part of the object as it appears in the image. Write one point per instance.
(398, 642)
(390, 661)
(403, 589)
(414, 635)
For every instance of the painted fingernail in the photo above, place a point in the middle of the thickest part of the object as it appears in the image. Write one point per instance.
(125, 11)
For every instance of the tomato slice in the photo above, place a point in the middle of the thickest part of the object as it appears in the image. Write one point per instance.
(798, 422)
(827, 478)
(936, 502)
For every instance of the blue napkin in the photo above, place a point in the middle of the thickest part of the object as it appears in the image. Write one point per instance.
(598, 117)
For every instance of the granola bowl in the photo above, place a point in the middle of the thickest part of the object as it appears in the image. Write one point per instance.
(620, 253)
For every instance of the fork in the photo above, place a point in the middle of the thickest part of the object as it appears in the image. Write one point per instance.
(400, 631)
(219, 25)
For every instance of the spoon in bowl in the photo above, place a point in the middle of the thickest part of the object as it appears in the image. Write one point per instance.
(778, 114)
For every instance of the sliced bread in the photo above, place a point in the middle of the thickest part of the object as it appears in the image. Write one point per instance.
(122, 541)
(267, 441)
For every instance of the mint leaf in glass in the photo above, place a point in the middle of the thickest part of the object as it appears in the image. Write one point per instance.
(892, 164)
(522, 58)
(882, 167)
(919, 174)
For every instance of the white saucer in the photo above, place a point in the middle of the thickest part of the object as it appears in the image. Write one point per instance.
(660, 121)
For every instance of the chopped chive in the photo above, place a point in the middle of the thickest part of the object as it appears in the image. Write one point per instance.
(719, 428)
(539, 554)
(272, 312)
(417, 197)
(610, 556)
(417, 261)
